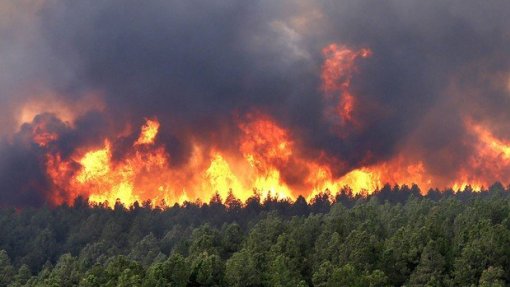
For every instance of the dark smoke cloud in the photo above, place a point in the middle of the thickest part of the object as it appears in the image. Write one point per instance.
(23, 179)
(196, 66)
(22, 176)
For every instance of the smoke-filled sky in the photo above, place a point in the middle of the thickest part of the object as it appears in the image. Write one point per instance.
(86, 70)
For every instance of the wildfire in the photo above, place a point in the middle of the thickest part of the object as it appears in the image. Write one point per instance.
(148, 133)
(266, 154)
(489, 143)
(337, 72)
(146, 174)
(489, 163)
(266, 158)
(95, 164)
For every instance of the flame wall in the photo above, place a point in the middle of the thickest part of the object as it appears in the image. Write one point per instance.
(175, 100)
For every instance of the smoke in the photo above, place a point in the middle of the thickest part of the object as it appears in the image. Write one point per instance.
(200, 67)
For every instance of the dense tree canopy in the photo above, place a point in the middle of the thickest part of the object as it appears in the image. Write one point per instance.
(394, 237)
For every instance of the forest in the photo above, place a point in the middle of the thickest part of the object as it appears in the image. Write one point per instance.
(393, 237)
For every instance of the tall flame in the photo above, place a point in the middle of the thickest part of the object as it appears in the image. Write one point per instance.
(266, 152)
(267, 158)
(489, 163)
(337, 72)
(148, 133)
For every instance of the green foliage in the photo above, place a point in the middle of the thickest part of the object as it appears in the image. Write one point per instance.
(431, 269)
(121, 271)
(492, 277)
(241, 270)
(207, 270)
(282, 273)
(175, 271)
(6, 269)
(23, 275)
(145, 250)
(65, 273)
(393, 238)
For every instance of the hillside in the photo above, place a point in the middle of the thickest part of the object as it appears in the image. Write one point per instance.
(392, 238)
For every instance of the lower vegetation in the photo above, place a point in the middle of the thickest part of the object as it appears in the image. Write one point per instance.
(395, 237)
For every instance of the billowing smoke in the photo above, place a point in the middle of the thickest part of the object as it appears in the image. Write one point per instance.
(431, 96)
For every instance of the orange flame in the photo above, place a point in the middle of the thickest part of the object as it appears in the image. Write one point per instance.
(146, 174)
(267, 160)
(337, 72)
(148, 133)
(266, 152)
(489, 162)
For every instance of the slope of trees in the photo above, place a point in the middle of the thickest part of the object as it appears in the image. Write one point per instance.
(392, 238)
